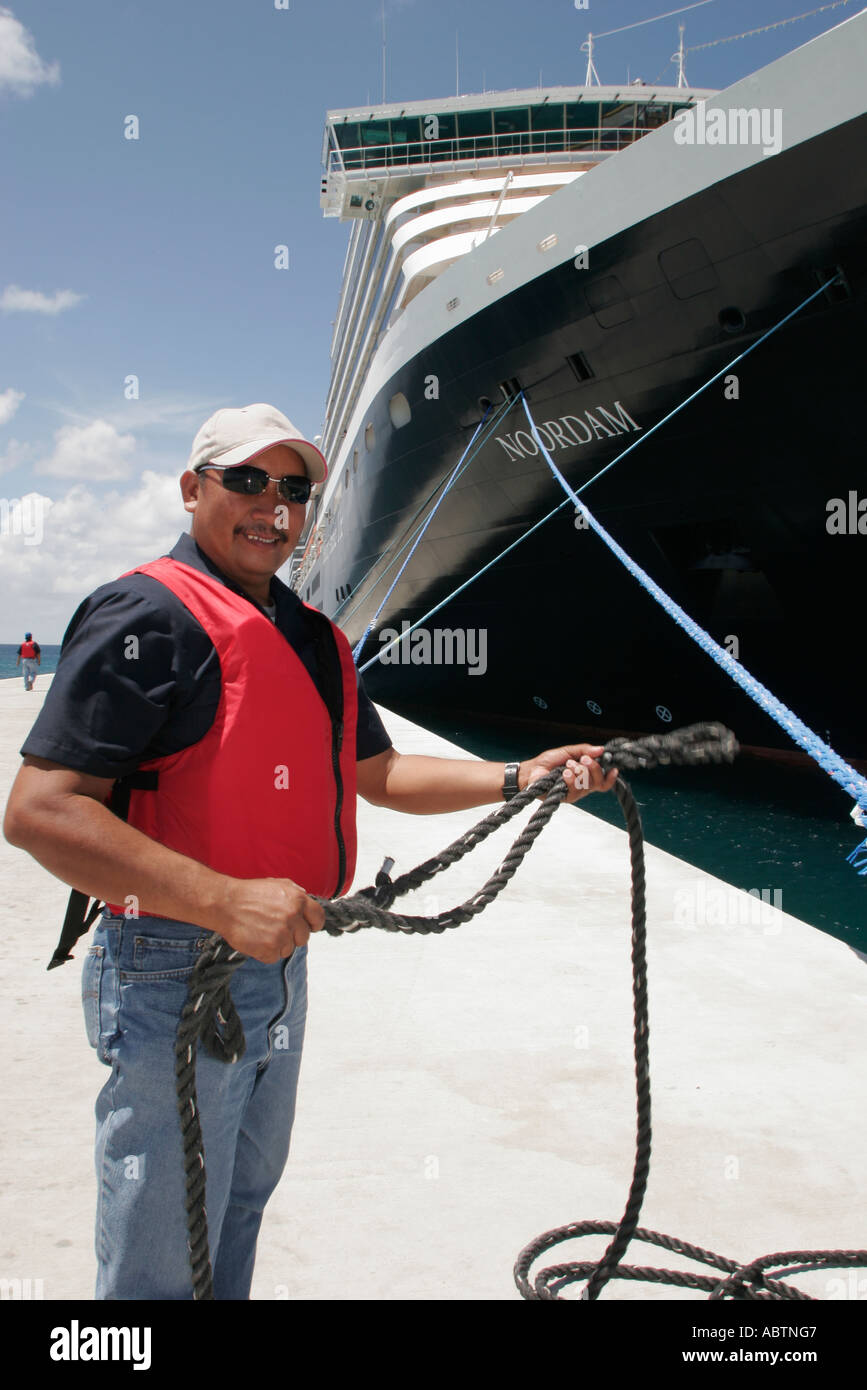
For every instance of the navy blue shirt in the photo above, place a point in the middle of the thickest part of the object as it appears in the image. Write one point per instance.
(105, 714)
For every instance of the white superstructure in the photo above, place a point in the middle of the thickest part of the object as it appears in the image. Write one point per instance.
(425, 183)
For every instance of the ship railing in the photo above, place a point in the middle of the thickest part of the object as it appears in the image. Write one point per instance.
(462, 148)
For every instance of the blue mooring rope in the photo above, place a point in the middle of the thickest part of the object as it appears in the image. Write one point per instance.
(456, 471)
(634, 445)
(828, 760)
(408, 534)
(831, 762)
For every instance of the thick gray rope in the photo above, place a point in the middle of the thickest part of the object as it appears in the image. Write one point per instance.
(210, 1017)
(751, 1281)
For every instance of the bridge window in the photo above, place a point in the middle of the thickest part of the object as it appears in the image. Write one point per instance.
(514, 118)
(405, 130)
(548, 117)
(374, 132)
(511, 128)
(474, 128)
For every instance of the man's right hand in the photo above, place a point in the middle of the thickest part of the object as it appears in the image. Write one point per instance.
(266, 918)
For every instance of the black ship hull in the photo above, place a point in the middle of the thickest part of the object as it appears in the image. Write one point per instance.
(726, 507)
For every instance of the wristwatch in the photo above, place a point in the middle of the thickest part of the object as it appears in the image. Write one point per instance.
(510, 781)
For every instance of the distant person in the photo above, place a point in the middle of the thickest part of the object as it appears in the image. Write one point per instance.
(30, 655)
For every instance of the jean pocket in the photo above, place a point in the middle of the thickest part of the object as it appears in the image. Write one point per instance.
(163, 958)
(91, 991)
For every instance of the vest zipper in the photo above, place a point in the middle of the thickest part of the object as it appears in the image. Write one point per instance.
(336, 745)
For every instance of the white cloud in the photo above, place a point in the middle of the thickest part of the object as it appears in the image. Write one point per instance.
(21, 68)
(10, 399)
(15, 300)
(14, 455)
(95, 452)
(88, 538)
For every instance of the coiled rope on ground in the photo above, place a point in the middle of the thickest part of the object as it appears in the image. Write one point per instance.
(210, 1018)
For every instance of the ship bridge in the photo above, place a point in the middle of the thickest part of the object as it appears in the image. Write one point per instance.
(368, 151)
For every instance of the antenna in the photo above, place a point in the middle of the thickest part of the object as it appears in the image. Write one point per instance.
(591, 67)
(383, 52)
(457, 68)
(680, 58)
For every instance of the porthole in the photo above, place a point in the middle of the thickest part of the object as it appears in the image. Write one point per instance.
(580, 366)
(369, 436)
(399, 410)
(732, 319)
(511, 388)
(355, 460)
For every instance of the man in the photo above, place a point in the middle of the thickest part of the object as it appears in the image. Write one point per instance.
(230, 717)
(30, 656)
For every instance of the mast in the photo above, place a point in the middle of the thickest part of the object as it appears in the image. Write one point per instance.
(592, 74)
(680, 58)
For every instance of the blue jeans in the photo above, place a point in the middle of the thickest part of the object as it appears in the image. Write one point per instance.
(134, 984)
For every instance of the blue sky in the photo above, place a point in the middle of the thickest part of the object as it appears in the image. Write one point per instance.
(155, 257)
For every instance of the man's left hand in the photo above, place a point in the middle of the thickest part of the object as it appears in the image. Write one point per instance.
(581, 772)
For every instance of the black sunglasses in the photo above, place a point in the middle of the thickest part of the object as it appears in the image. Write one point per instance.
(252, 482)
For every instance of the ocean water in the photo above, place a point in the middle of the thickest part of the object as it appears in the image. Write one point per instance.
(770, 829)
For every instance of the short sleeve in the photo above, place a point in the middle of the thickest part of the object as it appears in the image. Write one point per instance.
(371, 737)
(122, 682)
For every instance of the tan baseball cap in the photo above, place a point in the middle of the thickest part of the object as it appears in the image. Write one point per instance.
(236, 435)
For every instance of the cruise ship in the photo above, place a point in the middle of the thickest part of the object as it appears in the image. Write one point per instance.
(600, 253)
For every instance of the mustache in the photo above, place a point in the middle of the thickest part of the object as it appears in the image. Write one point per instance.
(273, 532)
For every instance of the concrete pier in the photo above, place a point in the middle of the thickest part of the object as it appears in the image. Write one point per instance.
(462, 1093)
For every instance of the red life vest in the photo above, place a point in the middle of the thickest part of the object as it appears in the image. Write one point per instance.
(269, 791)
(28, 651)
